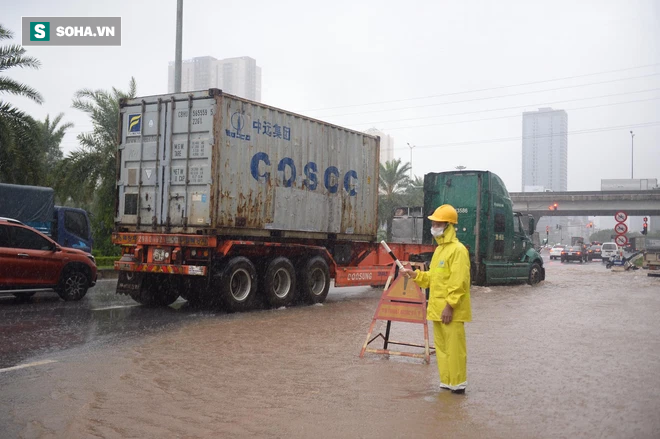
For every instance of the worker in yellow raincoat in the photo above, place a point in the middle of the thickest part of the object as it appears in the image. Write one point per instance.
(448, 307)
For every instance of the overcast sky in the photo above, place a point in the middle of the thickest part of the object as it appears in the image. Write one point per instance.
(416, 70)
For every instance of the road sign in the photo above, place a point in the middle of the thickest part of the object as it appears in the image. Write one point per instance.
(620, 216)
(621, 240)
(621, 228)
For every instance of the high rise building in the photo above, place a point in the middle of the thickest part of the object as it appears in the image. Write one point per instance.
(386, 144)
(545, 150)
(238, 76)
(545, 166)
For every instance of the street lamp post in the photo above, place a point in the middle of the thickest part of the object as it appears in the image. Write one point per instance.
(632, 153)
(178, 46)
(411, 148)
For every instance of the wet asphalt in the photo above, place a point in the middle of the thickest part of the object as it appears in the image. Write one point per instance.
(577, 356)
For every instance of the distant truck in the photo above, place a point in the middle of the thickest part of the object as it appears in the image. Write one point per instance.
(35, 206)
(577, 240)
(498, 239)
(652, 257)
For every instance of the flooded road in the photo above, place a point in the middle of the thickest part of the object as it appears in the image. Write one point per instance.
(577, 356)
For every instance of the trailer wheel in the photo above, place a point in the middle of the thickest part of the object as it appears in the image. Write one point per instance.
(279, 282)
(534, 274)
(314, 280)
(157, 290)
(238, 284)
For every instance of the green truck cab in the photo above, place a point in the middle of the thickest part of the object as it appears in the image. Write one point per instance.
(498, 239)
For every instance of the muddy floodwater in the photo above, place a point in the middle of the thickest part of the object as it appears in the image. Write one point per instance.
(577, 356)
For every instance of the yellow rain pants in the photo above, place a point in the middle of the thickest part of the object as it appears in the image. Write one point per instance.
(451, 352)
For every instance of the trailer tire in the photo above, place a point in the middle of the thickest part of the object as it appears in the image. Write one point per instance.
(156, 290)
(238, 284)
(314, 280)
(534, 274)
(279, 282)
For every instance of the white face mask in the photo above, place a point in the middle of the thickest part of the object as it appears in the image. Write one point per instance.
(437, 231)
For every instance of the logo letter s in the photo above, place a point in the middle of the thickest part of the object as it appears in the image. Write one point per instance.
(39, 31)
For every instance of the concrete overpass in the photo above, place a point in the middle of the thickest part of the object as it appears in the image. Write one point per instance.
(593, 203)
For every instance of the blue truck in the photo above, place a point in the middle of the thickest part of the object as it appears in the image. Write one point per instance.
(35, 207)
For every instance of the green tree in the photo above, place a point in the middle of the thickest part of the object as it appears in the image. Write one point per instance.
(50, 137)
(392, 184)
(414, 193)
(88, 174)
(18, 161)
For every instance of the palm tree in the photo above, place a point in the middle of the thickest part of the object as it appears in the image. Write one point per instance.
(16, 127)
(415, 192)
(50, 136)
(88, 175)
(392, 182)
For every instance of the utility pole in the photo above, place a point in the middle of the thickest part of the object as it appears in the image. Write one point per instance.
(177, 50)
(411, 148)
(632, 153)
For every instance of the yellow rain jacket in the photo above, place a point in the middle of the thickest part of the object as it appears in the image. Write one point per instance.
(448, 278)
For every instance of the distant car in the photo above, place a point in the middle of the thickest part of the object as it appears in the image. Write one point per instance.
(595, 252)
(573, 253)
(32, 262)
(555, 251)
(608, 250)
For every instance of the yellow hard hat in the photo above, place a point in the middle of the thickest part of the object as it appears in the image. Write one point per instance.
(445, 214)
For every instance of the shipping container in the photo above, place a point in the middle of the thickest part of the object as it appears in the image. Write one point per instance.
(226, 201)
(208, 162)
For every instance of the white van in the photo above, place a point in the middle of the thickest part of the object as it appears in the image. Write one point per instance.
(609, 250)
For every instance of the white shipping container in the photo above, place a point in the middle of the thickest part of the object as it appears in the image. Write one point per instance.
(211, 163)
(628, 184)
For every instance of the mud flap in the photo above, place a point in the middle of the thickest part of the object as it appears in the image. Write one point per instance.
(129, 282)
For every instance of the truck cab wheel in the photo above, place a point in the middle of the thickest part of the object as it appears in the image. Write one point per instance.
(278, 283)
(237, 284)
(534, 274)
(314, 280)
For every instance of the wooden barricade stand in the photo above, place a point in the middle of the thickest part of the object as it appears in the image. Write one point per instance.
(402, 301)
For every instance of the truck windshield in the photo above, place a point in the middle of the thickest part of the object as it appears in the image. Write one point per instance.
(76, 223)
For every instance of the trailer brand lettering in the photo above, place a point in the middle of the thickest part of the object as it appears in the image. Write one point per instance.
(287, 172)
(272, 130)
(360, 276)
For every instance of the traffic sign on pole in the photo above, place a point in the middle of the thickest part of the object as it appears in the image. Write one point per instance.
(621, 240)
(621, 228)
(620, 216)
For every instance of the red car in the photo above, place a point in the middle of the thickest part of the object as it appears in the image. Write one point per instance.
(30, 261)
